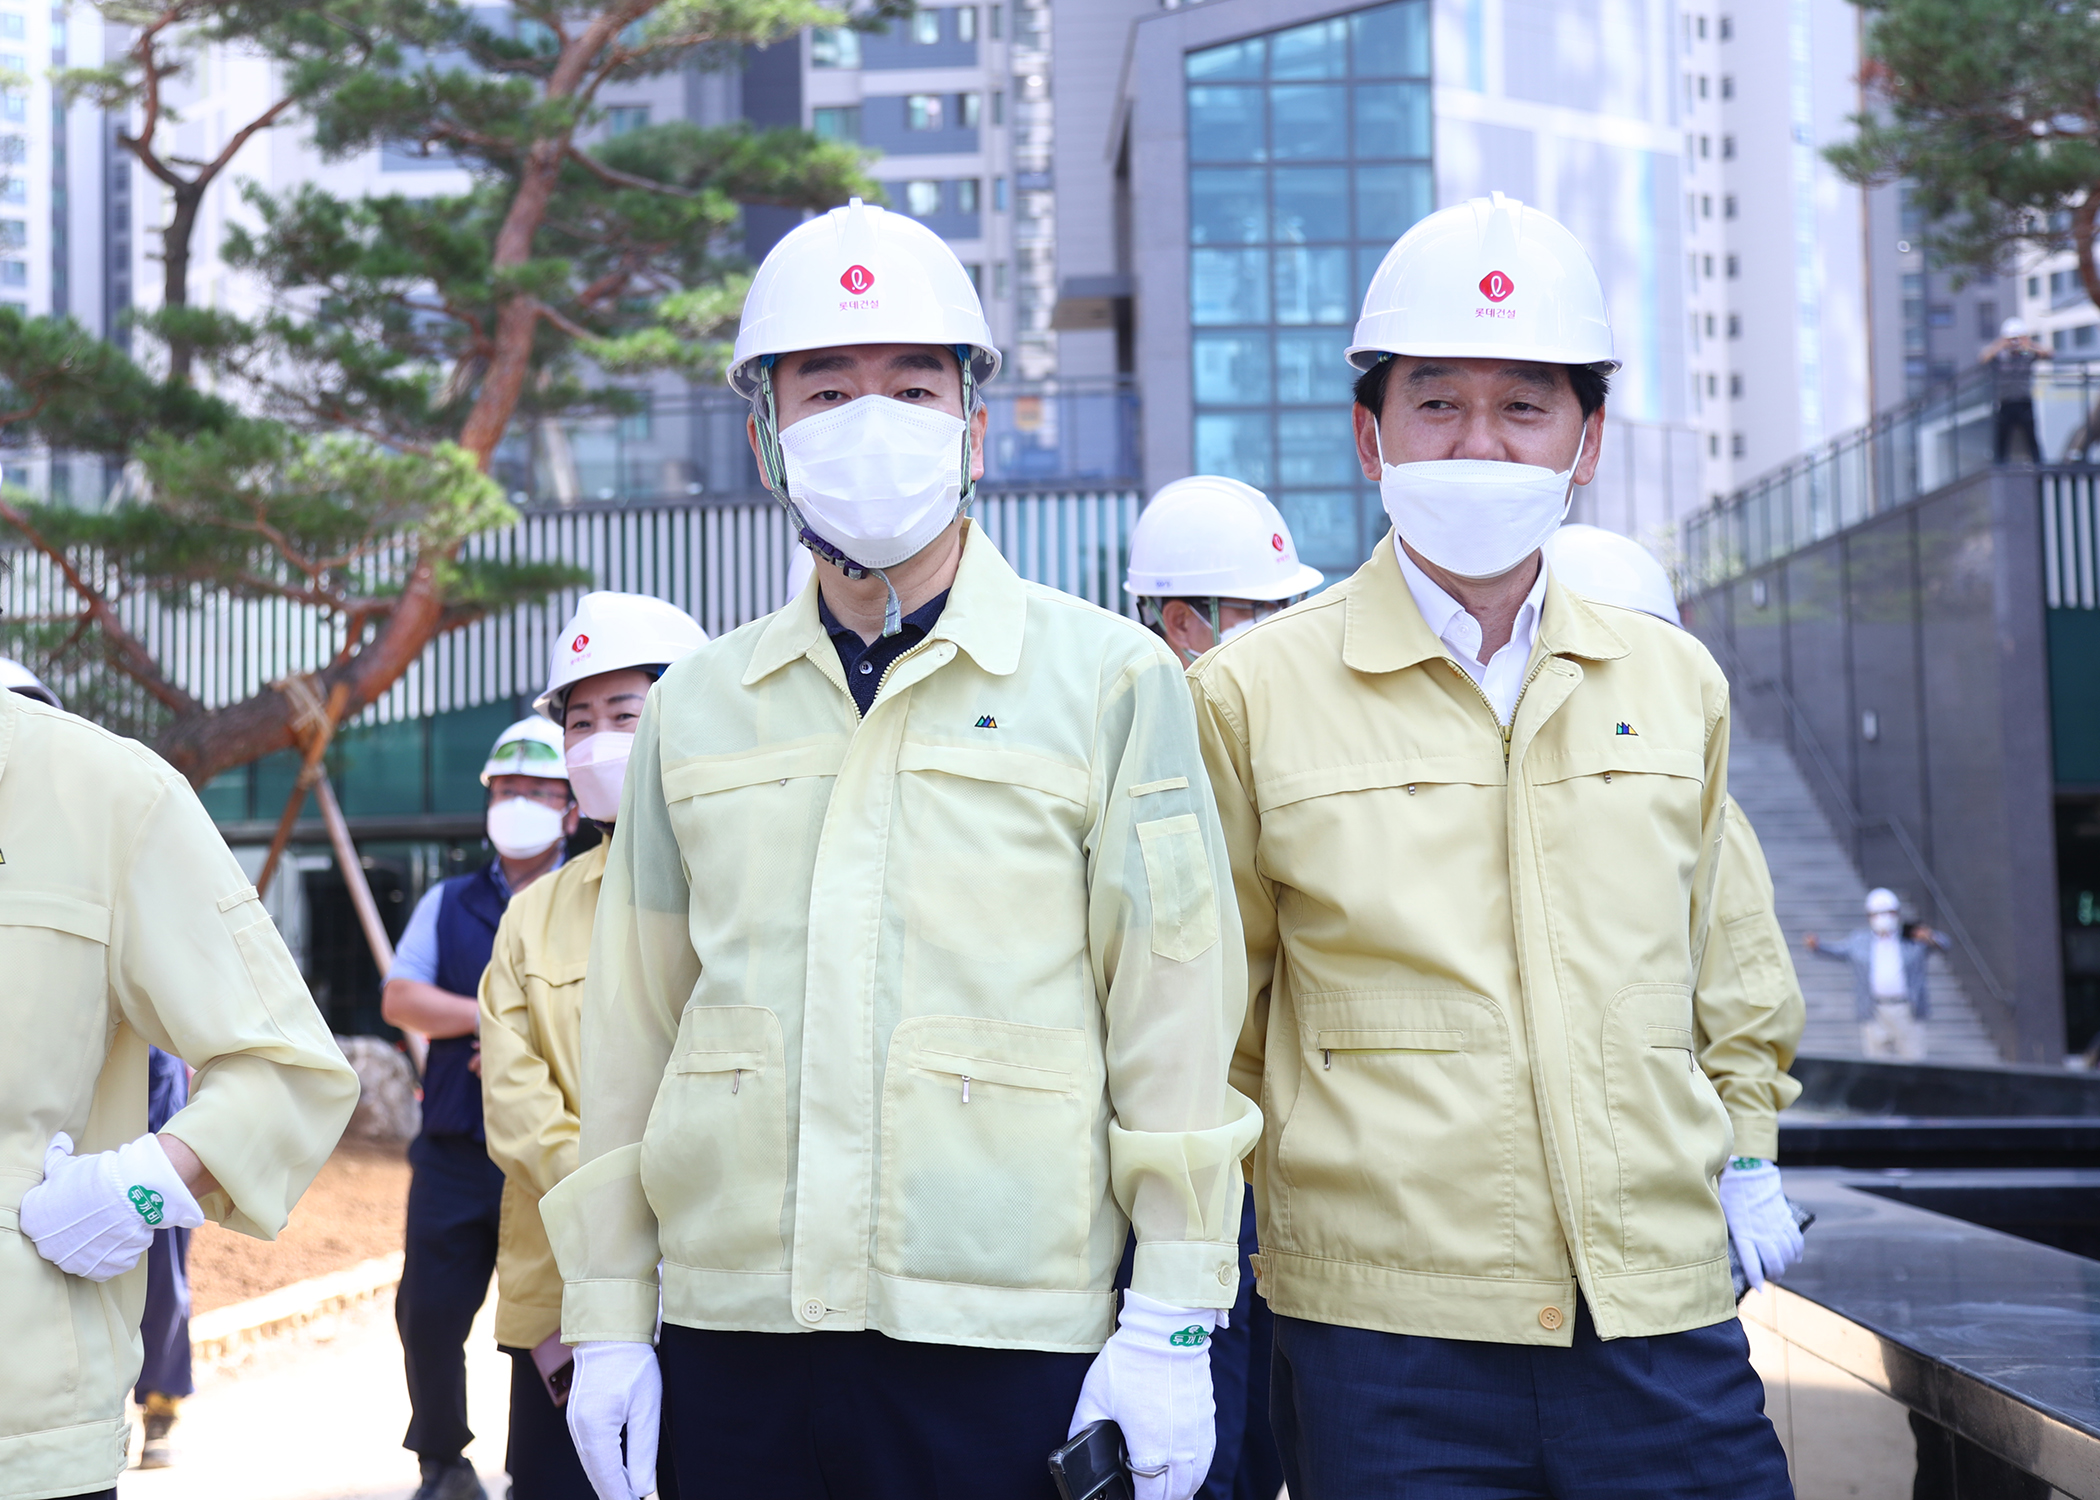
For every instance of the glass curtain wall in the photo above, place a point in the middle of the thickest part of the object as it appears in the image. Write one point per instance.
(1309, 154)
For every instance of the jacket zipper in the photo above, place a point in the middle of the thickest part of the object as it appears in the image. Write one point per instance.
(883, 681)
(1509, 728)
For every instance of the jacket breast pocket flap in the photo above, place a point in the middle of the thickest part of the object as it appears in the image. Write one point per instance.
(1038, 773)
(726, 773)
(1670, 1036)
(555, 975)
(1462, 768)
(1625, 755)
(1391, 1039)
(61, 913)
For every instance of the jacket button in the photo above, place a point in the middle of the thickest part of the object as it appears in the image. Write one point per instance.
(1550, 1318)
(813, 1311)
(1225, 1276)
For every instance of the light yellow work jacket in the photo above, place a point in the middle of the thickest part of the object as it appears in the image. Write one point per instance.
(531, 1078)
(1747, 1006)
(125, 922)
(1471, 955)
(892, 1021)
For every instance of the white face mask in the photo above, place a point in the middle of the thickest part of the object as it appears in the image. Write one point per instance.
(1475, 517)
(597, 770)
(521, 828)
(1883, 923)
(876, 478)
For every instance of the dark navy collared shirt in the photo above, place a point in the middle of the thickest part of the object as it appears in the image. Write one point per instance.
(866, 661)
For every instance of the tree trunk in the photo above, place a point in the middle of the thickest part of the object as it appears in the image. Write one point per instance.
(2082, 218)
(175, 267)
(518, 318)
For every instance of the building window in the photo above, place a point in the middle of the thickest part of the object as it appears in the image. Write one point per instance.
(998, 22)
(1727, 85)
(976, 277)
(1711, 388)
(967, 194)
(1702, 28)
(1727, 28)
(1713, 445)
(1728, 207)
(2034, 286)
(1739, 445)
(922, 198)
(13, 190)
(1702, 85)
(13, 28)
(2085, 335)
(926, 28)
(840, 124)
(14, 234)
(1728, 148)
(969, 110)
(1940, 315)
(1709, 267)
(834, 47)
(998, 267)
(966, 24)
(14, 273)
(922, 111)
(624, 119)
(1309, 152)
(1709, 325)
(999, 195)
(1706, 145)
(998, 106)
(1706, 205)
(1735, 325)
(1735, 267)
(1735, 386)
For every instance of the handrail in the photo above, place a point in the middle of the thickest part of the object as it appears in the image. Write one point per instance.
(1855, 821)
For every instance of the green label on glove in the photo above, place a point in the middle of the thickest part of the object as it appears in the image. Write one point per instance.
(151, 1205)
(1192, 1337)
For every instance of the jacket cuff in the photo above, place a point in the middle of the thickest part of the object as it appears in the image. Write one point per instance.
(1756, 1134)
(1187, 1273)
(608, 1311)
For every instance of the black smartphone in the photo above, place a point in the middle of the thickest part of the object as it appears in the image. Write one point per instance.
(1094, 1465)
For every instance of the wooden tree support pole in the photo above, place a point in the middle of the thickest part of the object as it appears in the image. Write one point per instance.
(361, 897)
(321, 721)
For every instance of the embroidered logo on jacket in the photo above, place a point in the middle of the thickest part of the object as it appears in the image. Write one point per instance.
(987, 722)
(1628, 729)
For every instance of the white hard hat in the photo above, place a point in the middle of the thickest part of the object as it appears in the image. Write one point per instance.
(801, 563)
(1208, 537)
(530, 747)
(859, 275)
(1611, 569)
(16, 678)
(611, 632)
(1487, 279)
(2012, 328)
(1882, 899)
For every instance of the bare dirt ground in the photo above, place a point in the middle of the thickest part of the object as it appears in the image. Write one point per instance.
(353, 1212)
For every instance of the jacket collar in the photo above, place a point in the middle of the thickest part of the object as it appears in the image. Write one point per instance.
(986, 611)
(1384, 631)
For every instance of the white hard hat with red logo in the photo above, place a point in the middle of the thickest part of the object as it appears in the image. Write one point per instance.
(16, 678)
(615, 632)
(1487, 279)
(859, 275)
(1208, 537)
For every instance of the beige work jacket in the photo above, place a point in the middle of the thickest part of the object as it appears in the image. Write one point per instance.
(1470, 959)
(125, 922)
(892, 1021)
(531, 1077)
(1748, 1006)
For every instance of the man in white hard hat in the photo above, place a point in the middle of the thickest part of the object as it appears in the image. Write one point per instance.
(1890, 994)
(911, 990)
(455, 1195)
(1474, 827)
(126, 926)
(1208, 557)
(607, 658)
(2011, 358)
(1747, 1009)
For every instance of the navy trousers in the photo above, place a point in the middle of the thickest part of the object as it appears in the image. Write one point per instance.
(165, 1327)
(862, 1416)
(541, 1456)
(1360, 1414)
(455, 1199)
(1246, 1465)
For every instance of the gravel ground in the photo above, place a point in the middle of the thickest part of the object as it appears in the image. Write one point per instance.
(353, 1212)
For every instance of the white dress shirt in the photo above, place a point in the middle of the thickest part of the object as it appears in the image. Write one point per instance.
(1501, 677)
(1885, 971)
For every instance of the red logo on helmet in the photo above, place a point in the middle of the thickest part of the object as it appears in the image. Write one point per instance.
(1276, 540)
(579, 643)
(857, 279)
(1495, 286)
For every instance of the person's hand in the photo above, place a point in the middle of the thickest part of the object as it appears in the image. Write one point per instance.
(1811, 942)
(617, 1385)
(1152, 1379)
(1760, 1220)
(94, 1215)
(474, 1060)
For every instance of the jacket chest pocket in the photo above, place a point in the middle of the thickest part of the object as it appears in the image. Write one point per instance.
(1631, 812)
(722, 807)
(987, 1154)
(715, 1154)
(57, 954)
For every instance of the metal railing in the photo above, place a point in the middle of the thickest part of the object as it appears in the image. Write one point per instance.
(1944, 435)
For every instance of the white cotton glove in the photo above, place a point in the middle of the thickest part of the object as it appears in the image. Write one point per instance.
(1760, 1220)
(94, 1215)
(617, 1385)
(1152, 1379)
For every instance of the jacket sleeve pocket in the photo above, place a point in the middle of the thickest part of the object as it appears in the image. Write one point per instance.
(1177, 876)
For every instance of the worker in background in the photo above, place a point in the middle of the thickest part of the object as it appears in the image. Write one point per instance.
(455, 1193)
(1475, 826)
(911, 989)
(1891, 997)
(1747, 1008)
(128, 927)
(608, 656)
(1209, 556)
(2011, 358)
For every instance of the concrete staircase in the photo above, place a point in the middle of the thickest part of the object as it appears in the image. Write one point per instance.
(1818, 891)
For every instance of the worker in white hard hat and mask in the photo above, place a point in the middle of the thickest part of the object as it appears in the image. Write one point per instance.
(606, 660)
(1747, 1009)
(127, 926)
(1890, 988)
(912, 990)
(1209, 556)
(1475, 825)
(455, 1195)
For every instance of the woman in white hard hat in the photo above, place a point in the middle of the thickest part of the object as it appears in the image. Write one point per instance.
(608, 656)
(455, 1196)
(911, 990)
(127, 926)
(1747, 1006)
(1209, 556)
(1473, 825)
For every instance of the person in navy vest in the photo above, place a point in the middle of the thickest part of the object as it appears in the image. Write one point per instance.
(455, 1196)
